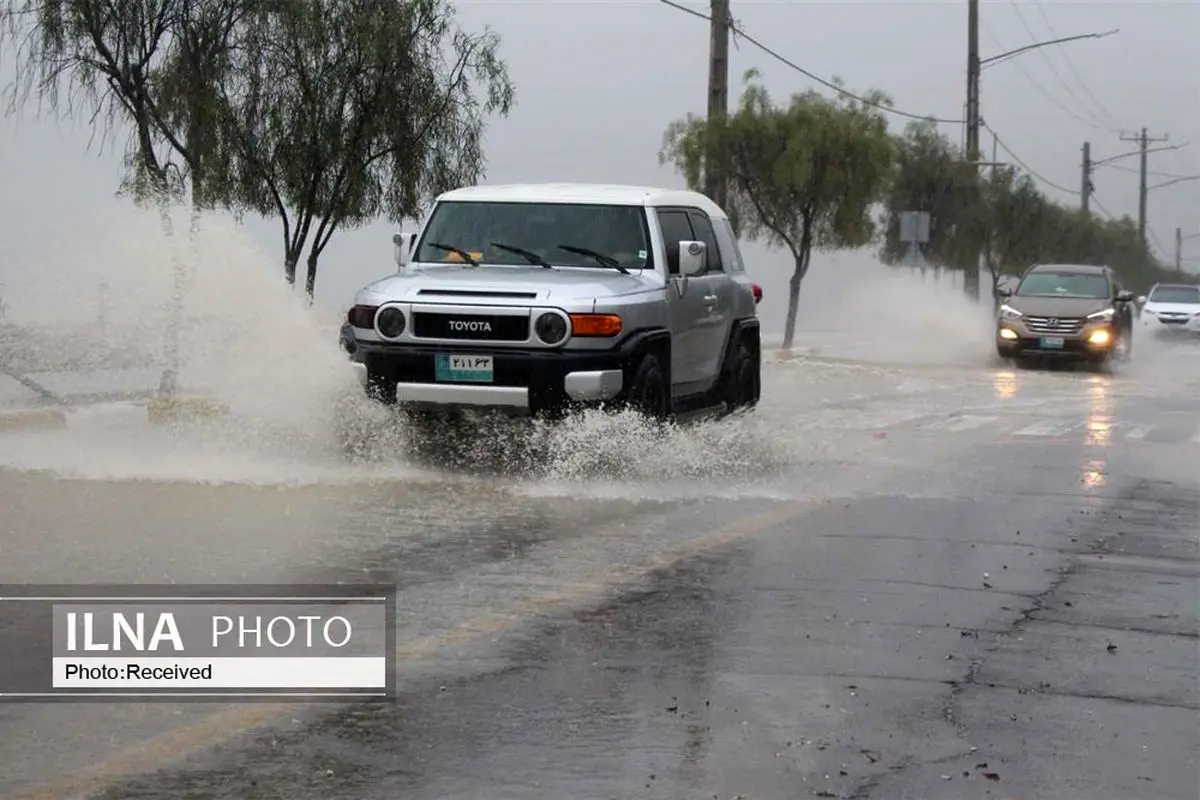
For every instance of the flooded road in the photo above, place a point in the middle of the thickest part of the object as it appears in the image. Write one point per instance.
(888, 582)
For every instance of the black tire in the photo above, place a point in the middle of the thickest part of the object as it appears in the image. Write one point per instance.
(744, 381)
(380, 388)
(648, 391)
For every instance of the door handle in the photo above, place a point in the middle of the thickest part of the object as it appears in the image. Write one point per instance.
(710, 299)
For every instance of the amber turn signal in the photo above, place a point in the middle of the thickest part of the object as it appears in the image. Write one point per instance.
(595, 324)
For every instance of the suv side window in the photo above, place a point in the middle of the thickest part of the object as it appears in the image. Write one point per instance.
(704, 233)
(731, 256)
(675, 229)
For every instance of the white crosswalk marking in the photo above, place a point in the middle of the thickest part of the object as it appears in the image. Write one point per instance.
(881, 420)
(958, 424)
(1050, 427)
(1139, 431)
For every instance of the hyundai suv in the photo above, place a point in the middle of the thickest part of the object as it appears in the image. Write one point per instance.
(536, 299)
(1070, 310)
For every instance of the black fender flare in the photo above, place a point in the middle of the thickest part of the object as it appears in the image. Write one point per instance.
(748, 330)
(639, 343)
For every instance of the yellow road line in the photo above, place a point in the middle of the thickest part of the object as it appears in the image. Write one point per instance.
(32, 419)
(213, 729)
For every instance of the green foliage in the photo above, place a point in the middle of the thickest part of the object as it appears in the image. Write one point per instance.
(341, 112)
(1003, 216)
(99, 58)
(324, 113)
(801, 176)
(931, 176)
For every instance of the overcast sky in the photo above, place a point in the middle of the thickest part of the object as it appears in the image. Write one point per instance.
(598, 80)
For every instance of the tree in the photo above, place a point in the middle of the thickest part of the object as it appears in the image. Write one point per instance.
(1003, 216)
(341, 111)
(148, 64)
(1009, 220)
(931, 175)
(803, 175)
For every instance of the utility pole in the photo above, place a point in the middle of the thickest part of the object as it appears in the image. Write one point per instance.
(1179, 252)
(973, 69)
(1085, 188)
(716, 177)
(1143, 141)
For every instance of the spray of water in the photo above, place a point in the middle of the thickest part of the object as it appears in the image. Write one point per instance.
(296, 411)
(852, 305)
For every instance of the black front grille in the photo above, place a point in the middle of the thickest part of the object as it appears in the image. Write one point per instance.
(1173, 320)
(471, 327)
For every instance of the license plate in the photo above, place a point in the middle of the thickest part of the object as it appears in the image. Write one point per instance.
(1052, 343)
(463, 369)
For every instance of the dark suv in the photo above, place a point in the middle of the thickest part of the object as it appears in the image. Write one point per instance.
(1066, 310)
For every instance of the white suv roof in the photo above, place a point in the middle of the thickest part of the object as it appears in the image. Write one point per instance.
(597, 193)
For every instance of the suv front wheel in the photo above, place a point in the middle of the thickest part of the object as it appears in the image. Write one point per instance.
(649, 393)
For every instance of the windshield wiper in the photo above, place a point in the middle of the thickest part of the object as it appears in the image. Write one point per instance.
(607, 261)
(528, 255)
(470, 259)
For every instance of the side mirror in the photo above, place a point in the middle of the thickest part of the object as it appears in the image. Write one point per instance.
(1004, 291)
(1124, 296)
(402, 244)
(1141, 299)
(693, 258)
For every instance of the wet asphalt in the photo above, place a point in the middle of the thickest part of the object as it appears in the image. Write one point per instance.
(901, 588)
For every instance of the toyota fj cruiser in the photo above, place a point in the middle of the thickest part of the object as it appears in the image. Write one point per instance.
(536, 299)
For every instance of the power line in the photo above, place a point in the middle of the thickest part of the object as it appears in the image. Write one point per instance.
(1049, 63)
(1071, 66)
(1103, 210)
(1042, 90)
(1148, 172)
(738, 32)
(1008, 151)
(1153, 236)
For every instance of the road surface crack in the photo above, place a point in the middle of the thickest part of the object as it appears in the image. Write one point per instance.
(1098, 531)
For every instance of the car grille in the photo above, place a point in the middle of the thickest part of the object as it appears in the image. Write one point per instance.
(471, 327)
(1063, 326)
(1172, 319)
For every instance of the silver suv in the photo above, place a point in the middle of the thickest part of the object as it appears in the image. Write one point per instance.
(536, 299)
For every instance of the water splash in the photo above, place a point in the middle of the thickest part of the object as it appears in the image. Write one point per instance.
(297, 413)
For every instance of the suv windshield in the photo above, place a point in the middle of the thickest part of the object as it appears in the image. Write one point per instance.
(1175, 294)
(1064, 284)
(617, 232)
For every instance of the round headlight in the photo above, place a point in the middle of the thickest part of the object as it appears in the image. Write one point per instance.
(390, 322)
(551, 328)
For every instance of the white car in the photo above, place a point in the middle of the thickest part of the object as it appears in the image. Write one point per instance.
(1171, 309)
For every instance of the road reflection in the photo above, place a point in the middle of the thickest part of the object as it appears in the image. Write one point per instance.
(1005, 384)
(1100, 412)
(1095, 475)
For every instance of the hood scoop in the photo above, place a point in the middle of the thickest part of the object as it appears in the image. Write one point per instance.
(477, 293)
